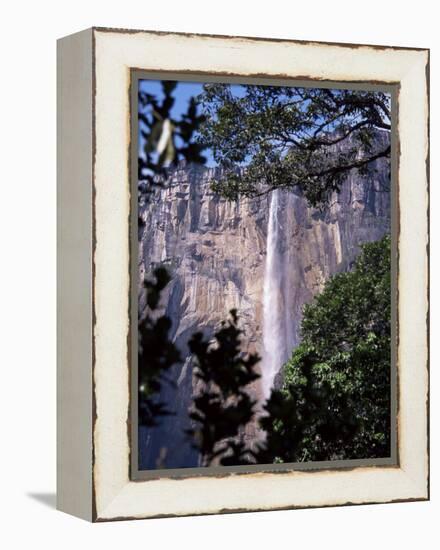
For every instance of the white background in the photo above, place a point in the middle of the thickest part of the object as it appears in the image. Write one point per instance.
(27, 290)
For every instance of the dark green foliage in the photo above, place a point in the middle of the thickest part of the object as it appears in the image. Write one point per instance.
(222, 407)
(285, 137)
(299, 425)
(335, 401)
(167, 140)
(157, 354)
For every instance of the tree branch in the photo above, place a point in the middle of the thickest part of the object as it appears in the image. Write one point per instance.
(357, 164)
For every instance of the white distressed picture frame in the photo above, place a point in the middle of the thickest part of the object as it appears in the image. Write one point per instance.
(94, 69)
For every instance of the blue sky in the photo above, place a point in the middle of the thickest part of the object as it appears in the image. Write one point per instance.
(182, 94)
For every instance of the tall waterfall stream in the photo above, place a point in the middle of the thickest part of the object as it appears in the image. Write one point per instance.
(278, 326)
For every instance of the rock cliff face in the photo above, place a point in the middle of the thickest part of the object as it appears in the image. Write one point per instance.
(216, 251)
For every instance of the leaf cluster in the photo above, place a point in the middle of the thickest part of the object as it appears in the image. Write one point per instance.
(157, 354)
(167, 139)
(223, 407)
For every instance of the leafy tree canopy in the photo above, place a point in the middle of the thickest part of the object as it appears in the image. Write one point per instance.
(335, 401)
(272, 136)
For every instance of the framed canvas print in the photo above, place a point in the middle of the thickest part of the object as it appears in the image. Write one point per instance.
(242, 274)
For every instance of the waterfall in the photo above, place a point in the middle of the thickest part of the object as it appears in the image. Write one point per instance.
(290, 280)
(274, 294)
